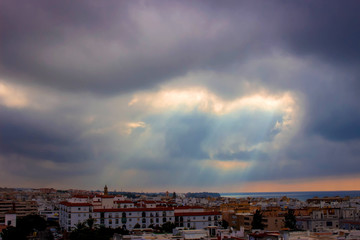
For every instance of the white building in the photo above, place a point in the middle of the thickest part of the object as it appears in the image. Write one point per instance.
(129, 217)
(73, 213)
(197, 220)
(125, 214)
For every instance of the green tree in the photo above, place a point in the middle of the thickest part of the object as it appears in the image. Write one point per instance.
(12, 234)
(168, 227)
(85, 233)
(24, 227)
(90, 222)
(81, 226)
(224, 224)
(290, 220)
(257, 222)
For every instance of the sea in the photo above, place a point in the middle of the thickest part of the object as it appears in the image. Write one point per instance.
(302, 196)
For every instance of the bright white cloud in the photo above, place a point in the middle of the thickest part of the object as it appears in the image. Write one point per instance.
(199, 98)
(12, 97)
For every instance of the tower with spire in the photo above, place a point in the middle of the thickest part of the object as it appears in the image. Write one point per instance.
(105, 190)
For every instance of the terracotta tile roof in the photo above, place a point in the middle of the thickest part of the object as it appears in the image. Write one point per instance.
(80, 196)
(124, 201)
(69, 204)
(132, 209)
(184, 214)
(189, 207)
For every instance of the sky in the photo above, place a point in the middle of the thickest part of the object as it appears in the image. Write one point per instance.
(224, 96)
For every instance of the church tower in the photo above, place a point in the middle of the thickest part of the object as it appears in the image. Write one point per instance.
(105, 190)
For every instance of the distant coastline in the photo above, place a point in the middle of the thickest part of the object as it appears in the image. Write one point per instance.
(298, 195)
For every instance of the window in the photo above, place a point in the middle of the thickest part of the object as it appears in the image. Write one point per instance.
(123, 218)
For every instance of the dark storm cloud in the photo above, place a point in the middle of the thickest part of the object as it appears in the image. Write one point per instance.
(327, 29)
(43, 136)
(103, 48)
(118, 47)
(114, 47)
(315, 157)
(339, 123)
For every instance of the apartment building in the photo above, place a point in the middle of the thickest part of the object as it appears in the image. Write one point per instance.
(20, 208)
(197, 220)
(111, 212)
(71, 213)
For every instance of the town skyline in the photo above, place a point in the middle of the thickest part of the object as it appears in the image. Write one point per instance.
(235, 96)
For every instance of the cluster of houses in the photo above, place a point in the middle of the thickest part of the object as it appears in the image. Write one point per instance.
(115, 211)
(191, 218)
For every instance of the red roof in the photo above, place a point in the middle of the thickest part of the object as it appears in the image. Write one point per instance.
(149, 202)
(132, 209)
(2, 227)
(352, 222)
(124, 201)
(196, 213)
(189, 207)
(69, 204)
(107, 196)
(80, 196)
(266, 234)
